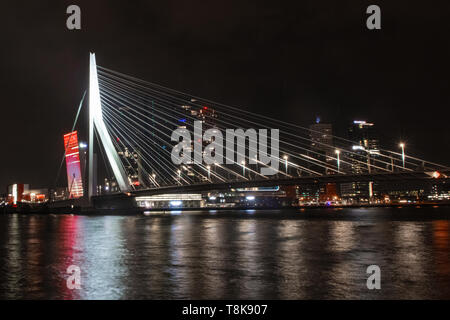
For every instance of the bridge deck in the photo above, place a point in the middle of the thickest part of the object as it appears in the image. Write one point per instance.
(311, 180)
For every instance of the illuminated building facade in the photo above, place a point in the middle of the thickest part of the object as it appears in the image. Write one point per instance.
(322, 145)
(366, 145)
(364, 150)
(16, 191)
(35, 195)
(194, 111)
(74, 178)
(133, 167)
(363, 133)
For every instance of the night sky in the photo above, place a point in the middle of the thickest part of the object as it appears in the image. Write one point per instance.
(292, 61)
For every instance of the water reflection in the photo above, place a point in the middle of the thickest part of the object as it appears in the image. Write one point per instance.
(13, 267)
(409, 257)
(290, 260)
(257, 255)
(441, 244)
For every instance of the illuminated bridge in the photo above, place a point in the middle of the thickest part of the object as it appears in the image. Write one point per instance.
(155, 140)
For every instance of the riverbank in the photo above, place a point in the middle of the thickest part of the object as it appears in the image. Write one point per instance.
(80, 210)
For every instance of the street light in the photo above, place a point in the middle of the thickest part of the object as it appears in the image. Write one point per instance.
(179, 176)
(209, 171)
(436, 174)
(338, 152)
(243, 167)
(285, 157)
(402, 145)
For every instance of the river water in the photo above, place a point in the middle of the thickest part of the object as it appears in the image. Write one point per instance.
(309, 254)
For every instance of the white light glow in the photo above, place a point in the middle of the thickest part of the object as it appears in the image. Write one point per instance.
(96, 118)
(176, 203)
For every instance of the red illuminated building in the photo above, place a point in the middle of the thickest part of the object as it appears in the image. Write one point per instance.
(74, 179)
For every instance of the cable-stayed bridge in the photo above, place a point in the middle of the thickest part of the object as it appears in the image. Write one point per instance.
(137, 124)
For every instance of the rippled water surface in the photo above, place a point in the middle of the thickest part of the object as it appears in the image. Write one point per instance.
(311, 254)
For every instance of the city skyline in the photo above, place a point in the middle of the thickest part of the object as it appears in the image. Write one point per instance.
(230, 53)
(235, 152)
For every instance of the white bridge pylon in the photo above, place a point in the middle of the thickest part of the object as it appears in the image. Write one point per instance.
(96, 119)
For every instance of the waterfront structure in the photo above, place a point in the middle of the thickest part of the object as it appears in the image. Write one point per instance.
(308, 194)
(364, 151)
(16, 191)
(36, 195)
(364, 135)
(138, 115)
(188, 200)
(74, 177)
(133, 167)
(321, 135)
(96, 119)
(365, 148)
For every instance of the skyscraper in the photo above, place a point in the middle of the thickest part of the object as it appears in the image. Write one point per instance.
(131, 160)
(365, 147)
(321, 135)
(364, 152)
(364, 135)
(74, 178)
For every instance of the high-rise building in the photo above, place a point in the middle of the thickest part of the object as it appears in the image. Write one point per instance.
(16, 191)
(365, 150)
(132, 161)
(321, 135)
(204, 113)
(194, 111)
(74, 178)
(364, 135)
